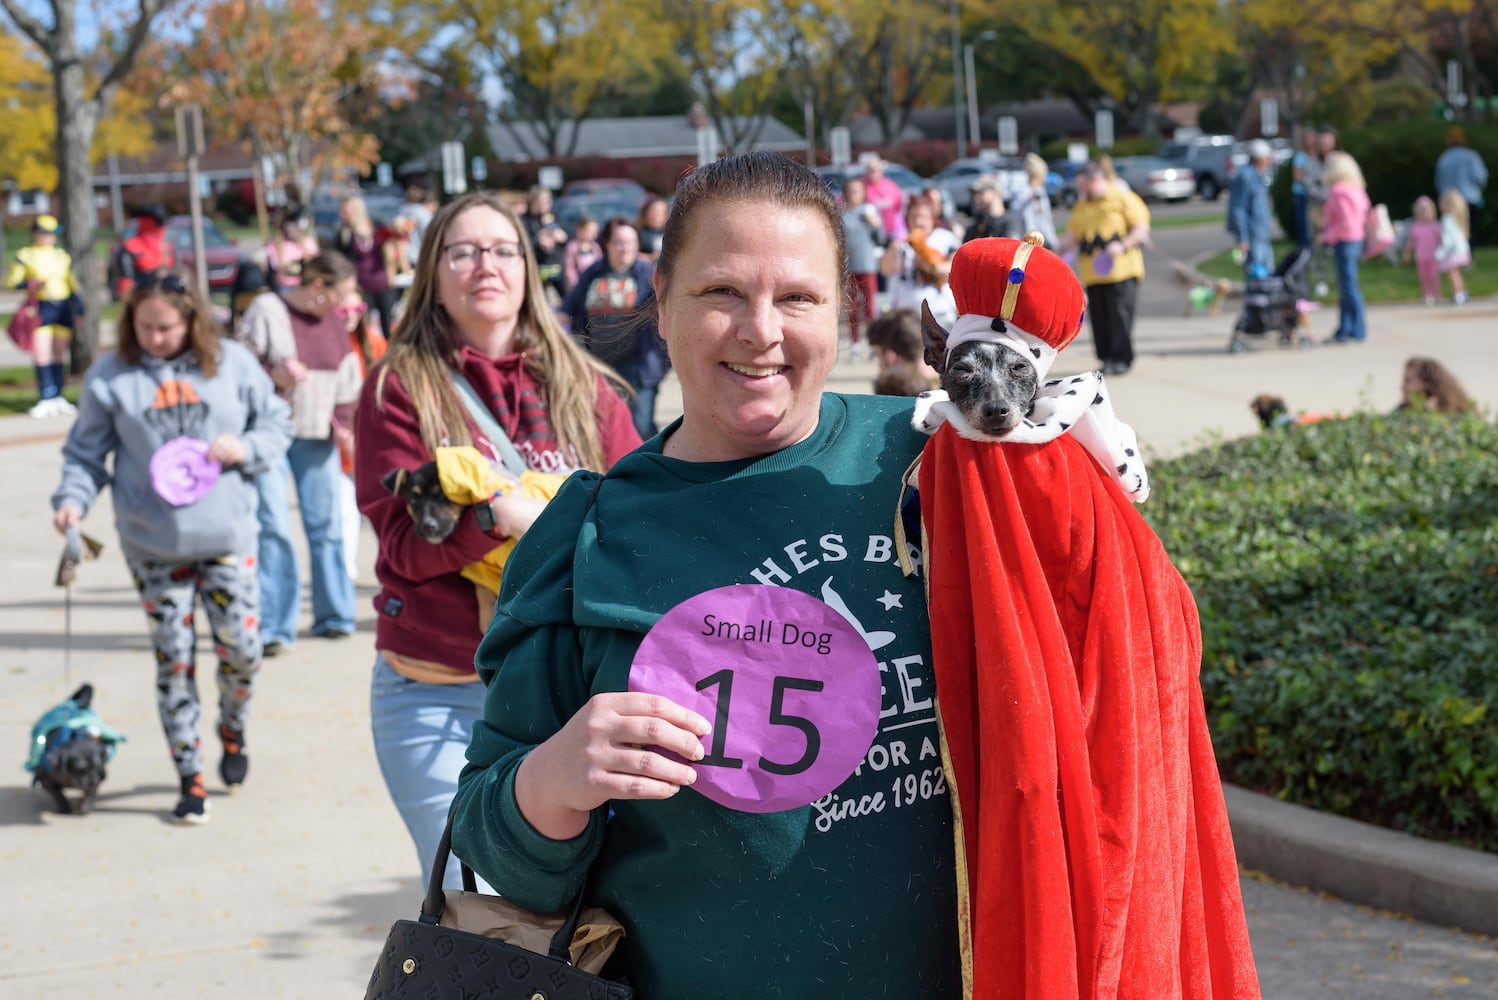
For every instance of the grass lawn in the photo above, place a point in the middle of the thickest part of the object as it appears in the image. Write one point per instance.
(18, 390)
(1380, 281)
(1194, 219)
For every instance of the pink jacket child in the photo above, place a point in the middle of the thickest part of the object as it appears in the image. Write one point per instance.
(581, 252)
(1422, 242)
(1346, 217)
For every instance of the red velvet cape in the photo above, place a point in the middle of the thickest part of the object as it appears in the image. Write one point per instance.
(1094, 846)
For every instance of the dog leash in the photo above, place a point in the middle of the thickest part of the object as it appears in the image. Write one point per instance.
(76, 547)
(72, 555)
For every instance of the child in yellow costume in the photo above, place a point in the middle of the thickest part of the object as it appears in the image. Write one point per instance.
(49, 268)
(468, 478)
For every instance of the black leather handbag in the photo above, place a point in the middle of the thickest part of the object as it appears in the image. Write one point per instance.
(423, 959)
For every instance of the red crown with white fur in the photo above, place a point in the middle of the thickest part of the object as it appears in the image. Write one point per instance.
(1020, 283)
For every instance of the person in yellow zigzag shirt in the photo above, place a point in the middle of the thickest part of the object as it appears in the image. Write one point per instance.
(49, 268)
(468, 478)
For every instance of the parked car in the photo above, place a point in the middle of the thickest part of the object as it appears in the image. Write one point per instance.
(383, 205)
(1154, 179)
(570, 209)
(909, 182)
(220, 252)
(620, 187)
(1209, 157)
(1282, 151)
(1061, 182)
(956, 179)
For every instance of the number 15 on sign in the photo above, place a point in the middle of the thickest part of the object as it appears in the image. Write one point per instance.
(790, 686)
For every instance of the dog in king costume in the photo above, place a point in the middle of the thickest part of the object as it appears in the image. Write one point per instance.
(1094, 854)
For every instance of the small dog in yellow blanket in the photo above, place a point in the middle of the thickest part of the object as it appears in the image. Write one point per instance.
(436, 494)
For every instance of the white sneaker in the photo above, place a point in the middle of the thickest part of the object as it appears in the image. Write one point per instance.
(1460, 298)
(45, 408)
(62, 408)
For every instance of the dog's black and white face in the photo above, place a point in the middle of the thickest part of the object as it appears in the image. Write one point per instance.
(74, 761)
(992, 385)
(434, 515)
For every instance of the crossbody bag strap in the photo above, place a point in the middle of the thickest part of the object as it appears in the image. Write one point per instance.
(508, 453)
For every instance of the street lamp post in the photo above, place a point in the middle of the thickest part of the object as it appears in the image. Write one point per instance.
(972, 86)
(957, 82)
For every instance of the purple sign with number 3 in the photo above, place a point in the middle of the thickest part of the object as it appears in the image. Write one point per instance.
(789, 685)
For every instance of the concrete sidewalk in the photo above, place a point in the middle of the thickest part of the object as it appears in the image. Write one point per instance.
(289, 891)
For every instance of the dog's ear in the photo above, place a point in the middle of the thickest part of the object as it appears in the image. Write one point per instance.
(83, 697)
(395, 481)
(934, 336)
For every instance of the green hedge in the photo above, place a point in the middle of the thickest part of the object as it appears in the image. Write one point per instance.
(1399, 163)
(1126, 146)
(1347, 577)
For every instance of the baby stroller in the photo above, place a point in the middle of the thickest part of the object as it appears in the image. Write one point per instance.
(1273, 303)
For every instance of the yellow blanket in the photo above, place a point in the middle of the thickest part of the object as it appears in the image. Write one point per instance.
(467, 477)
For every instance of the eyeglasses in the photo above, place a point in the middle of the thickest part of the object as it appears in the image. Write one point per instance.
(165, 282)
(464, 257)
(351, 309)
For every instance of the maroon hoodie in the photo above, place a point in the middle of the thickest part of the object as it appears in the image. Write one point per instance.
(426, 610)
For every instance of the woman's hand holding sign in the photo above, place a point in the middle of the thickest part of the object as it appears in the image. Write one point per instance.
(614, 748)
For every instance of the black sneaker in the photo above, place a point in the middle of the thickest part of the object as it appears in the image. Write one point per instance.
(274, 648)
(236, 763)
(334, 632)
(192, 807)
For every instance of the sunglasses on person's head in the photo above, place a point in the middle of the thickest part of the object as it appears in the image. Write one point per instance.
(163, 282)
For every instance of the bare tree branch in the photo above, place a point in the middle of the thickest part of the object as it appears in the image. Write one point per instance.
(33, 29)
(139, 32)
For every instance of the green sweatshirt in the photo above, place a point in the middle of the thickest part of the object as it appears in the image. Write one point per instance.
(852, 896)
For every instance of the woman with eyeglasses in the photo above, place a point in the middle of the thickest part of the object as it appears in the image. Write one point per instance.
(604, 311)
(477, 359)
(303, 344)
(190, 421)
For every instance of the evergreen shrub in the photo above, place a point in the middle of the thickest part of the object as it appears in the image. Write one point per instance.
(1347, 578)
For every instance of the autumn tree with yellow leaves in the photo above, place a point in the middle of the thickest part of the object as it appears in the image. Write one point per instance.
(85, 82)
(273, 74)
(557, 59)
(1141, 52)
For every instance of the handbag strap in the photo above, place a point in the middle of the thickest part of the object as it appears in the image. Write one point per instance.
(508, 453)
(435, 902)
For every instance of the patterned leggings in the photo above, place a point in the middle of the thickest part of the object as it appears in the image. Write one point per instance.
(230, 591)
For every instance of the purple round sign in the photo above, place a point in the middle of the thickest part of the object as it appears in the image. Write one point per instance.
(181, 471)
(1102, 263)
(789, 685)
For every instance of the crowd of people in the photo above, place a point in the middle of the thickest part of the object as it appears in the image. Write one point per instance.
(483, 325)
(1334, 215)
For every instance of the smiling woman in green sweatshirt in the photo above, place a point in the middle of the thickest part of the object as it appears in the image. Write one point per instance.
(765, 480)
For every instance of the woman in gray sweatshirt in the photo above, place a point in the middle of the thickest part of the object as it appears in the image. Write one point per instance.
(190, 420)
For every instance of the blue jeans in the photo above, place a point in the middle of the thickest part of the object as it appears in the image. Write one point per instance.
(642, 403)
(642, 412)
(1259, 263)
(421, 736)
(315, 467)
(1351, 323)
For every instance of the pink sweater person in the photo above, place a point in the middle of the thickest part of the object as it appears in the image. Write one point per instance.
(1422, 243)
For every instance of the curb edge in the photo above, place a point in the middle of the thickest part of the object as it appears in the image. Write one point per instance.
(1361, 863)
